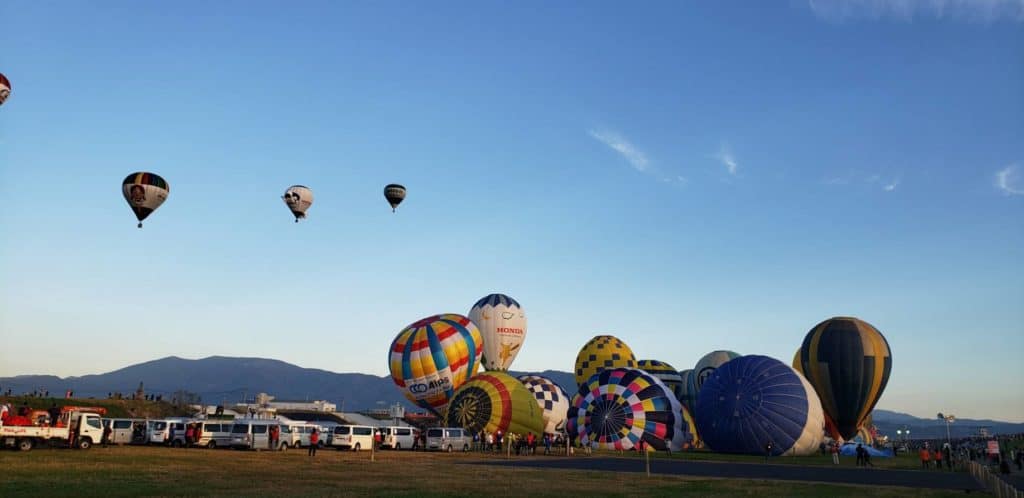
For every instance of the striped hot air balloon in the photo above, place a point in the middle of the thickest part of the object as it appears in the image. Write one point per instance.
(431, 358)
(848, 362)
(495, 401)
(666, 373)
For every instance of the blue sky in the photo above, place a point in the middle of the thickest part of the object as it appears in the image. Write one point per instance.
(687, 176)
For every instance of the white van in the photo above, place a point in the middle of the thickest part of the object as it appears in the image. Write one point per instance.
(397, 438)
(299, 433)
(448, 439)
(215, 433)
(122, 430)
(159, 431)
(353, 437)
(251, 434)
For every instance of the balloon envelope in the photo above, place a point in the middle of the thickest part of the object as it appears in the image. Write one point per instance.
(752, 400)
(495, 401)
(553, 401)
(848, 362)
(5, 88)
(620, 407)
(502, 322)
(666, 373)
(601, 353)
(433, 357)
(395, 194)
(707, 365)
(689, 396)
(144, 192)
(298, 198)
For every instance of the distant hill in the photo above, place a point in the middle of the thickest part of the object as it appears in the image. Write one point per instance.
(220, 379)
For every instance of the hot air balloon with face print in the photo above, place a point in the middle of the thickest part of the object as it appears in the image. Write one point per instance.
(848, 362)
(5, 88)
(395, 194)
(144, 192)
(431, 358)
(707, 365)
(754, 400)
(298, 198)
(502, 322)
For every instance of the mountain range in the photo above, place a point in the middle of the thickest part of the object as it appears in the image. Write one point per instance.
(228, 380)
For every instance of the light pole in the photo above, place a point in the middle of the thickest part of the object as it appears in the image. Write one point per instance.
(949, 420)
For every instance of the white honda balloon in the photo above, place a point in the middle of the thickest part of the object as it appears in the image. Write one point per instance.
(502, 324)
(299, 199)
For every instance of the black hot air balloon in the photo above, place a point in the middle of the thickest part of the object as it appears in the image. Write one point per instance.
(395, 194)
(848, 361)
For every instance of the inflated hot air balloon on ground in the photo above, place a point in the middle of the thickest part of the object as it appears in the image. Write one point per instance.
(691, 427)
(553, 401)
(848, 362)
(689, 396)
(433, 357)
(5, 88)
(144, 192)
(502, 323)
(601, 353)
(298, 198)
(752, 400)
(495, 401)
(620, 407)
(796, 363)
(665, 373)
(707, 365)
(395, 194)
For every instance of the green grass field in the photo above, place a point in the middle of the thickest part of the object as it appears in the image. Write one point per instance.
(157, 471)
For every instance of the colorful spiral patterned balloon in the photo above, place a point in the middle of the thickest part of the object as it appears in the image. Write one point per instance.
(601, 353)
(553, 402)
(433, 357)
(620, 408)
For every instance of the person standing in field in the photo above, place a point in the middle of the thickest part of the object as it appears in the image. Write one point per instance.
(106, 435)
(314, 439)
(926, 458)
(189, 431)
(275, 435)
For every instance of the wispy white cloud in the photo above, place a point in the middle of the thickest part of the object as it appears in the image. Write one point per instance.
(619, 144)
(890, 186)
(854, 177)
(1008, 180)
(978, 11)
(726, 157)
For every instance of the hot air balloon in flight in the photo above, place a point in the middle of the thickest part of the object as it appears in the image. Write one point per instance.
(620, 407)
(848, 362)
(502, 323)
(553, 401)
(144, 192)
(601, 353)
(5, 88)
(298, 198)
(433, 357)
(707, 365)
(665, 373)
(395, 194)
(752, 400)
(495, 401)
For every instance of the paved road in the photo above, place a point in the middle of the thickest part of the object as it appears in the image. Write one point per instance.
(846, 475)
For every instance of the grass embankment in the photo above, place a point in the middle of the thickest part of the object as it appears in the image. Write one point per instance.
(903, 461)
(116, 408)
(122, 471)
